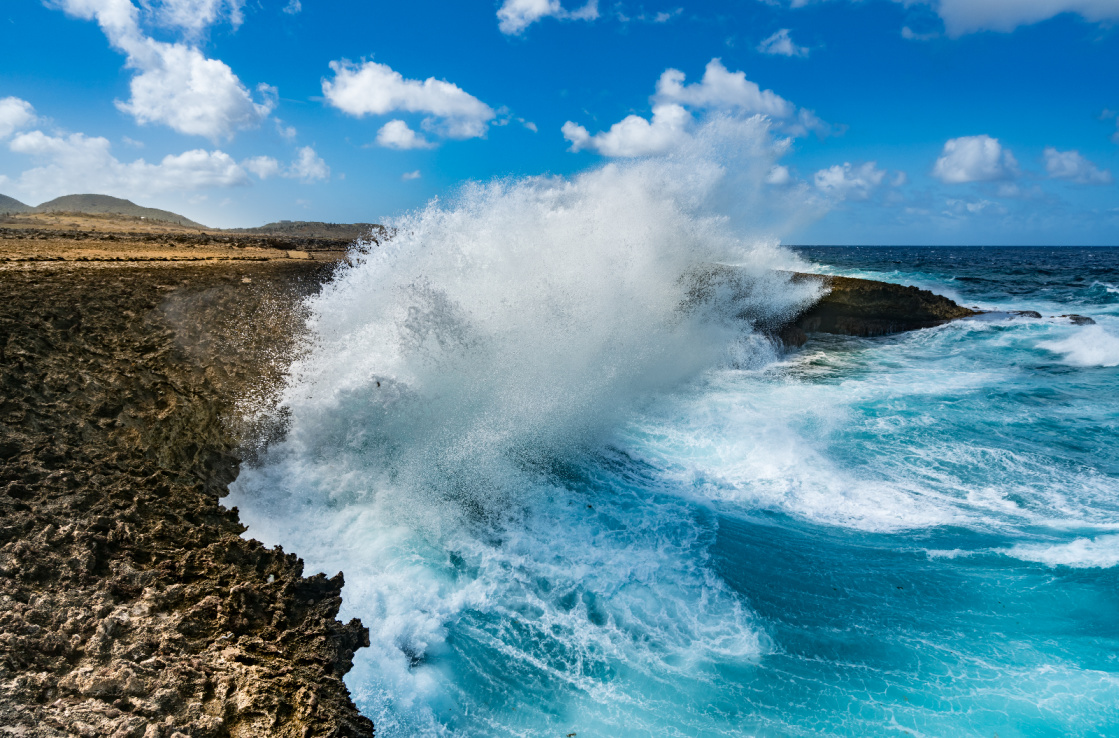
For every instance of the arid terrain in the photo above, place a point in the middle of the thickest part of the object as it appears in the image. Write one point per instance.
(130, 603)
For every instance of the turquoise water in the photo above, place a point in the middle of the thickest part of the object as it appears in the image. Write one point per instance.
(914, 535)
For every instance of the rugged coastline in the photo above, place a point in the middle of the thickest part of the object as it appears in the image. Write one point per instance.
(130, 603)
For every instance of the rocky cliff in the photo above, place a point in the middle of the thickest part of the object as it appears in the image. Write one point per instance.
(130, 604)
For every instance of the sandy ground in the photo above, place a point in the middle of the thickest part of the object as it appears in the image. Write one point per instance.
(42, 238)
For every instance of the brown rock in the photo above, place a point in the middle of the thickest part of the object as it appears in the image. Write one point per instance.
(863, 307)
(130, 604)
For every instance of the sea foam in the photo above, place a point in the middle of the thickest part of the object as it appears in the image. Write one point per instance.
(1082, 553)
(1091, 345)
(455, 378)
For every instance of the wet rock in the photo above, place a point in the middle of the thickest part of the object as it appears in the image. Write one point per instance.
(1079, 319)
(863, 307)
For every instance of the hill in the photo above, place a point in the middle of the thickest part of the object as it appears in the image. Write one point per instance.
(313, 229)
(105, 204)
(11, 205)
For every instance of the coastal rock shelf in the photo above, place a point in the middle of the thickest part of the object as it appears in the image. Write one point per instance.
(130, 604)
(864, 307)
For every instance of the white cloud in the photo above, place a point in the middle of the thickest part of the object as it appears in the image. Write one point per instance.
(781, 44)
(308, 167)
(962, 208)
(635, 136)
(293, 7)
(176, 85)
(779, 175)
(666, 16)
(846, 182)
(529, 125)
(80, 163)
(515, 16)
(262, 166)
(14, 115)
(1071, 166)
(727, 91)
(194, 16)
(182, 89)
(974, 159)
(286, 132)
(720, 91)
(723, 90)
(376, 89)
(663, 16)
(408, 176)
(397, 135)
(968, 16)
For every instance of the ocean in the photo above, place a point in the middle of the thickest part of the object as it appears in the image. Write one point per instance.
(565, 505)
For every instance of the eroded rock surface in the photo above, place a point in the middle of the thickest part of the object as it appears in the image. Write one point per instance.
(863, 307)
(130, 605)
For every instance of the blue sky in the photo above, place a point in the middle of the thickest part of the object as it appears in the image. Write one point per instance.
(915, 121)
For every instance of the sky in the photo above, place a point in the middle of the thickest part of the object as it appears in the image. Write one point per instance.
(899, 121)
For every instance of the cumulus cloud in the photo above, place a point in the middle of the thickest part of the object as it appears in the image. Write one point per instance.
(974, 159)
(294, 7)
(634, 136)
(514, 16)
(83, 163)
(781, 44)
(397, 135)
(77, 162)
(847, 182)
(15, 114)
(194, 16)
(376, 89)
(182, 89)
(726, 91)
(309, 166)
(720, 92)
(721, 89)
(176, 84)
(1071, 166)
(263, 166)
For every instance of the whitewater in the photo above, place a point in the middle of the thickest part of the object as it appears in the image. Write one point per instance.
(572, 494)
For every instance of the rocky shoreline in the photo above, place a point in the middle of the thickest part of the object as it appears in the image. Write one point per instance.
(130, 605)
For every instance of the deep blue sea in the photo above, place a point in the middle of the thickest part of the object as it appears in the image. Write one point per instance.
(915, 534)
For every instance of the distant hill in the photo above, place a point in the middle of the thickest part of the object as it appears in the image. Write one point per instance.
(313, 229)
(10, 205)
(97, 204)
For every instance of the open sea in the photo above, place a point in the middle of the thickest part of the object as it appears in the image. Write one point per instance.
(566, 506)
